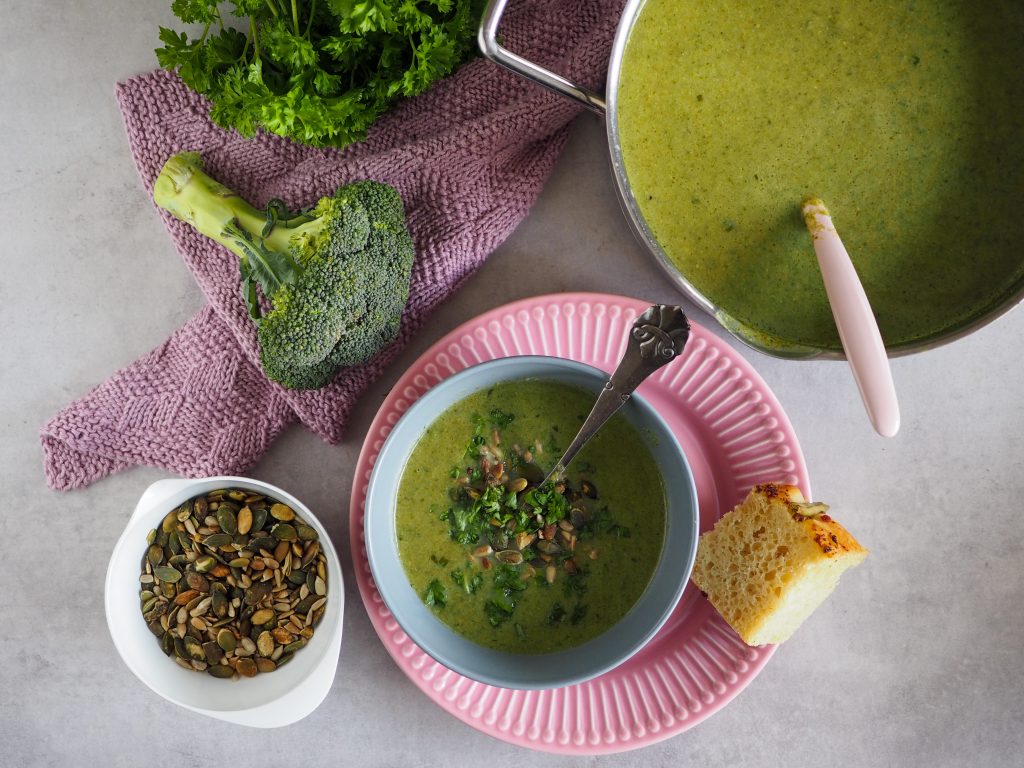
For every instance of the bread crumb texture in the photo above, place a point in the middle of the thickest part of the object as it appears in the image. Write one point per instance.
(769, 563)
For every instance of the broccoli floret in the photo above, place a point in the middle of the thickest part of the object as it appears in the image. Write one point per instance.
(336, 275)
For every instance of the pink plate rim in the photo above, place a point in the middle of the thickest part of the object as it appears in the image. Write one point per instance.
(735, 434)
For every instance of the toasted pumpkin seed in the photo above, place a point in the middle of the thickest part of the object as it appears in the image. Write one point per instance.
(548, 547)
(183, 598)
(155, 554)
(256, 593)
(259, 518)
(244, 520)
(194, 649)
(216, 540)
(284, 532)
(197, 581)
(282, 512)
(226, 640)
(262, 616)
(170, 522)
(213, 652)
(281, 635)
(219, 600)
(265, 643)
(227, 520)
(524, 539)
(220, 670)
(167, 573)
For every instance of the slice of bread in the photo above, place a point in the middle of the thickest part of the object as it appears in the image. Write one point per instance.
(771, 561)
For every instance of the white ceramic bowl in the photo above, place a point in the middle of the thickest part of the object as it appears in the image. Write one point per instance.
(265, 701)
(509, 670)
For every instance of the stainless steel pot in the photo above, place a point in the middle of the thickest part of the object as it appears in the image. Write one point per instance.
(606, 105)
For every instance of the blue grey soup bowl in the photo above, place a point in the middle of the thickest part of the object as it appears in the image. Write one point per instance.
(509, 670)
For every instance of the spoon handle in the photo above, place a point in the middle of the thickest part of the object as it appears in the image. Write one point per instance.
(858, 330)
(656, 338)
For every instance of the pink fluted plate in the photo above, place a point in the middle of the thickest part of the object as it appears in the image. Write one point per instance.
(734, 433)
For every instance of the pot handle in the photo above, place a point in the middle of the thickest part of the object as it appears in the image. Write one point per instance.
(489, 46)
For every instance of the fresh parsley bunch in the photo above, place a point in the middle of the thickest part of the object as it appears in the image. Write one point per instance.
(316, 71)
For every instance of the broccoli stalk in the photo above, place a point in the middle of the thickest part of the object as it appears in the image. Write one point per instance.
(336, 276)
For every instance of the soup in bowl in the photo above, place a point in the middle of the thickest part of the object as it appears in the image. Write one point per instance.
(507, 579)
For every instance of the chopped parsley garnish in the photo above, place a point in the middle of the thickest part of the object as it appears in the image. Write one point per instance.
(468, 583)
(436, 594)
(465, 524)
(619, 531)
(555, 615)
(500, 419)
(517, 532)
(499, 609)
(575, 584)
(507, 579)
(473, 446)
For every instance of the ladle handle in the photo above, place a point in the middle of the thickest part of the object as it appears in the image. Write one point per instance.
(656, 339)
(858, 329)
(489, 46)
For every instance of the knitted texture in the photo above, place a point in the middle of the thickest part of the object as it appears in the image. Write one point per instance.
(469, 158)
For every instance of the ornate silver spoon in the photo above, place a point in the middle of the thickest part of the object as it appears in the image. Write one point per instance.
(657, 337)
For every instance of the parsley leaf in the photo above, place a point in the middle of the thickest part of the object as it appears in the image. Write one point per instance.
(506, 578)
(436, 594)
(469, 583)
(555, 615)
(499, 609)
(500, 419)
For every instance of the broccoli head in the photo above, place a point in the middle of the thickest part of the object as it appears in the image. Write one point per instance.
(336, 275)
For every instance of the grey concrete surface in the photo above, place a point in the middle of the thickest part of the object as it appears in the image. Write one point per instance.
(915, 661)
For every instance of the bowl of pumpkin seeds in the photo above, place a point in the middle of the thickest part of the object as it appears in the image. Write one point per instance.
(224, 595)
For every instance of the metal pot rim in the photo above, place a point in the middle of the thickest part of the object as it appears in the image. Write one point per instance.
(606, 105)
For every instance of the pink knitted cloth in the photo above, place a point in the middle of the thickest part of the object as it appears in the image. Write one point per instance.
(469, 159)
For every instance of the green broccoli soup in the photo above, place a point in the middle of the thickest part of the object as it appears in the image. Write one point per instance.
(513, 565)
(904, 117)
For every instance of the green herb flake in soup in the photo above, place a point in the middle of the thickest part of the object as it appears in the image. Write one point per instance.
(512, 565)
(905, 117)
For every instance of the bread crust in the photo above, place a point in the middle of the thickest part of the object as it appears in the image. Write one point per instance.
(772, 560)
